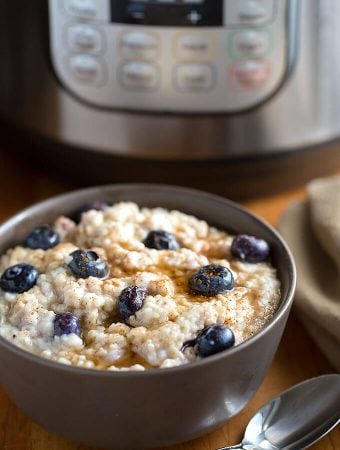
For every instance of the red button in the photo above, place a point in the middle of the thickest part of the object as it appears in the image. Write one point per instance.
(250, 74)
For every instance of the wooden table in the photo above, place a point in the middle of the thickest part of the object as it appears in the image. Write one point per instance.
(297, 358)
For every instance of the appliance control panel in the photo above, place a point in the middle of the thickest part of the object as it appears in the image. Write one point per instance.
(181, 56)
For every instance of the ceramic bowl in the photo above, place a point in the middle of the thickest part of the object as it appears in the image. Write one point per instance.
(157, 407)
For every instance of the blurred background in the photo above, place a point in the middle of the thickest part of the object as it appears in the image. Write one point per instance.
(239, 97)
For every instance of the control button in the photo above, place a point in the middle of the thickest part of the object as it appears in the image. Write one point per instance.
(194, 77)
(194, 46)
(139, 75)
(252, 12)
(136, 44)
(250, 44)
(250, 74)
(87, 9)
(84, 9)
(87, 68)
(84, 38)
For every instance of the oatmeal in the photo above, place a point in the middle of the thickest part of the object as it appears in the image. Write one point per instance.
(132, 288)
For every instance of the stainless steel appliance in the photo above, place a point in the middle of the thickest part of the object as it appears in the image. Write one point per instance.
(190, 90)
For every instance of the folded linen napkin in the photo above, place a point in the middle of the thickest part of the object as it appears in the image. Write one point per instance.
(312, 231)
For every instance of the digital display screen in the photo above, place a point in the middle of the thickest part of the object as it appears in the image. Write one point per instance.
(188, 13)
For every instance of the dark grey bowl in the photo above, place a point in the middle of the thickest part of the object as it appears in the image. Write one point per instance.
(158, 407)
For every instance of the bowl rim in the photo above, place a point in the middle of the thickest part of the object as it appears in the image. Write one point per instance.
(47, 204)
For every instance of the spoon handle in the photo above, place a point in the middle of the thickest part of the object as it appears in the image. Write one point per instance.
(239, 446)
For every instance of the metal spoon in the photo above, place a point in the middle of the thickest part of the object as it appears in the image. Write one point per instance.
(297, 418)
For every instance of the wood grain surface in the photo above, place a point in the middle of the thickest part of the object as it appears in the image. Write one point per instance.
(297, 358)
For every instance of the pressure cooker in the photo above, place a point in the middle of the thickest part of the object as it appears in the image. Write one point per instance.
(230, 95)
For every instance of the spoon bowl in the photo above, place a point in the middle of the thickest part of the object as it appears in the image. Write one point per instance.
(297, 418)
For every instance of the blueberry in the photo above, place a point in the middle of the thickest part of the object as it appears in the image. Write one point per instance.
(161, 240)
(19, 278)
(211, 280)
(96, 205)
(189, 344)
(214, 339)
(67, 323)
(130, 301)
(86, 263)
(249, 248)
(43, 237)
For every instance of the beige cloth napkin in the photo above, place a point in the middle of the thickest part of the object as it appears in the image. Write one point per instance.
(312, 231)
